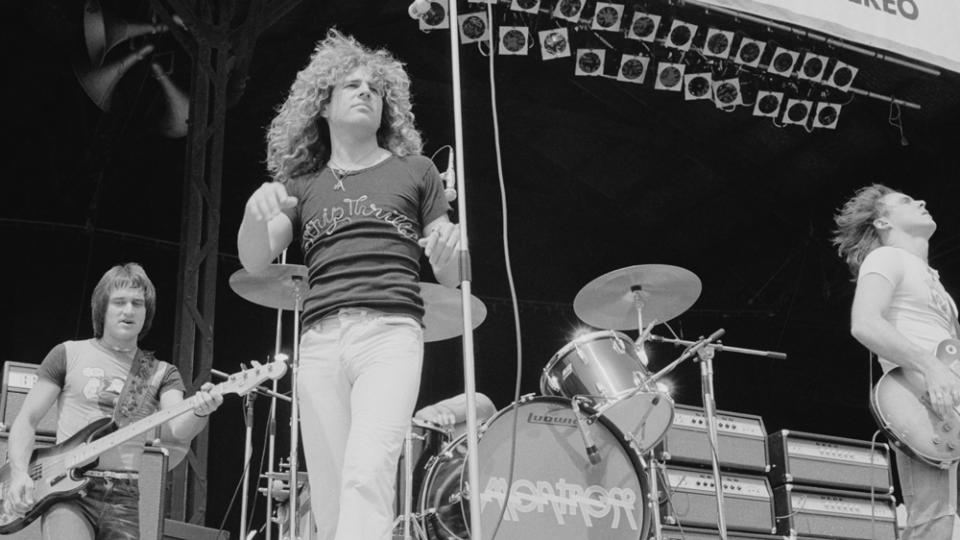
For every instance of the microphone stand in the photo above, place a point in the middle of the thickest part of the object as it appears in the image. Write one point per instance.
(247, 457)
(705, 351)
(472, 462)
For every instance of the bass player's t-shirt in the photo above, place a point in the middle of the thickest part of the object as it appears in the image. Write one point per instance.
(91, 379)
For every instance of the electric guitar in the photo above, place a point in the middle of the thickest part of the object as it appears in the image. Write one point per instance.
(901, 407)
(57, 471)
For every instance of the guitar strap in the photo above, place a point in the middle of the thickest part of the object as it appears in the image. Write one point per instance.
(137, 397)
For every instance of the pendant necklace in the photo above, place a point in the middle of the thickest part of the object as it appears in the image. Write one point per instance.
(339, 173)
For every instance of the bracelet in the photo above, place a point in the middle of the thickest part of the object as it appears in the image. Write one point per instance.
(199, 415)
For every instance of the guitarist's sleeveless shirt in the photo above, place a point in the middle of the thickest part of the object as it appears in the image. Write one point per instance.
(921, 309)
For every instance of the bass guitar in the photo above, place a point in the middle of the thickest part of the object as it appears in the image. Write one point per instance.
(901, 407)
(57, 471)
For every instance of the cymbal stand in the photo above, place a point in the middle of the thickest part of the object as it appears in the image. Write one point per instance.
(407, 516)
(272, 419)
(295, 411)
(247, 457)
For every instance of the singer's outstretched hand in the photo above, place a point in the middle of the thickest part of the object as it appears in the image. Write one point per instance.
(441, 244)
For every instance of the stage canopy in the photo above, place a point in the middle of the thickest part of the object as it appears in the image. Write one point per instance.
(925, 30)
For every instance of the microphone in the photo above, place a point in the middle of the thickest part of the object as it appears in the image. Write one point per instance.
(591, 447)
(448, 176)
(418, 8)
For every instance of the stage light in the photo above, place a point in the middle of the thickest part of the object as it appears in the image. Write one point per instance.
(727, 94)
(607, 16)
(473, 27)
(669, 77)
(528, 6)
(681, 35)
(644, 27)
(827, 115)
(749, 52)
(783, 62)
(437, 17)
(633, 69)
(554, 43)
(569, 10)
(697, 86)
(842, 76)
(514, 40)
(768, 103)
(797, 111)
(590, 62)
(812, 67)
(717, 44)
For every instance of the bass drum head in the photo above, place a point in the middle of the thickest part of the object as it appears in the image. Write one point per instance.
(554, 493)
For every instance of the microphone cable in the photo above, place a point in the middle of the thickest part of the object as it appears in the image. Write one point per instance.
(504, 225)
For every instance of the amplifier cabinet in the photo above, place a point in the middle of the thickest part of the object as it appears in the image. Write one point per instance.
(821, 460)
(18, 379)
(742, 440)
(691, 533)
(692, 501)
(830, 513)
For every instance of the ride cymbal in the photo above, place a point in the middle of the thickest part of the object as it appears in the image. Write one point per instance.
(442, 318)
(662, 291)
(279, 286)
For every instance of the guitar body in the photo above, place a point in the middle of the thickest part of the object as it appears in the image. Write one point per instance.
(901, 407)
(52, 481)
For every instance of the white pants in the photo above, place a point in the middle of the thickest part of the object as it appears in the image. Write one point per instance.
(358, 383)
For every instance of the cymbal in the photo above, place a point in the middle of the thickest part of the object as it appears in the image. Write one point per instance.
(443, 318)
(665, 292)
(278, 286)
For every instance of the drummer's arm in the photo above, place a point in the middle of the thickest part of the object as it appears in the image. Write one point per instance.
(457, 405)
(441, 243)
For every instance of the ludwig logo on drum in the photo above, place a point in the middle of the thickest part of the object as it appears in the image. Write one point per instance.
(566, 501)
(553, 420)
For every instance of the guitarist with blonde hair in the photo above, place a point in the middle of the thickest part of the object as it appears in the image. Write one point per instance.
(93, 380)
(901, 312)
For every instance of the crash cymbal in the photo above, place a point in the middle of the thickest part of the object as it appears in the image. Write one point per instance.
(665, 292)
(278, 286)
(443, 318)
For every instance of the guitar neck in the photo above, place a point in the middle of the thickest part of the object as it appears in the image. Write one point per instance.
(87, 452)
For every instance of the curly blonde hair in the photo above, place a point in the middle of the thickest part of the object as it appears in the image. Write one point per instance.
(855, 236)
(298, 141)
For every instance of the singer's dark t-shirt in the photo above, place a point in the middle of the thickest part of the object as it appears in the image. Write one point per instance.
(360, 242)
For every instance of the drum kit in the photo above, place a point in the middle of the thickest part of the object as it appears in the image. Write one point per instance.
(577, 461)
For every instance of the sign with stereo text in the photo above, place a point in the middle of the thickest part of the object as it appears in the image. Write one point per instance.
(925, 30)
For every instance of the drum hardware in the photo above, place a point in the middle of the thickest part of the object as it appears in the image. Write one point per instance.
(281, 287)
(588, 443)
(415, 461)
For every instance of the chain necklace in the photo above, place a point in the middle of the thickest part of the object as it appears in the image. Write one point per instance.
(339, 173)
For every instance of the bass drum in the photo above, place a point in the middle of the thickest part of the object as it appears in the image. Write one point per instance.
(554, 491)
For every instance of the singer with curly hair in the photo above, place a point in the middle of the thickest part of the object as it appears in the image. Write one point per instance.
(349, 182)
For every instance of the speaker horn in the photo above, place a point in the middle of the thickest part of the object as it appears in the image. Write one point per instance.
(173, 123)
(100, 82)
(102, 31)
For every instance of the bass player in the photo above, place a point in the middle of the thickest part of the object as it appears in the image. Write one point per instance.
(105, 376)
(901, 312)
